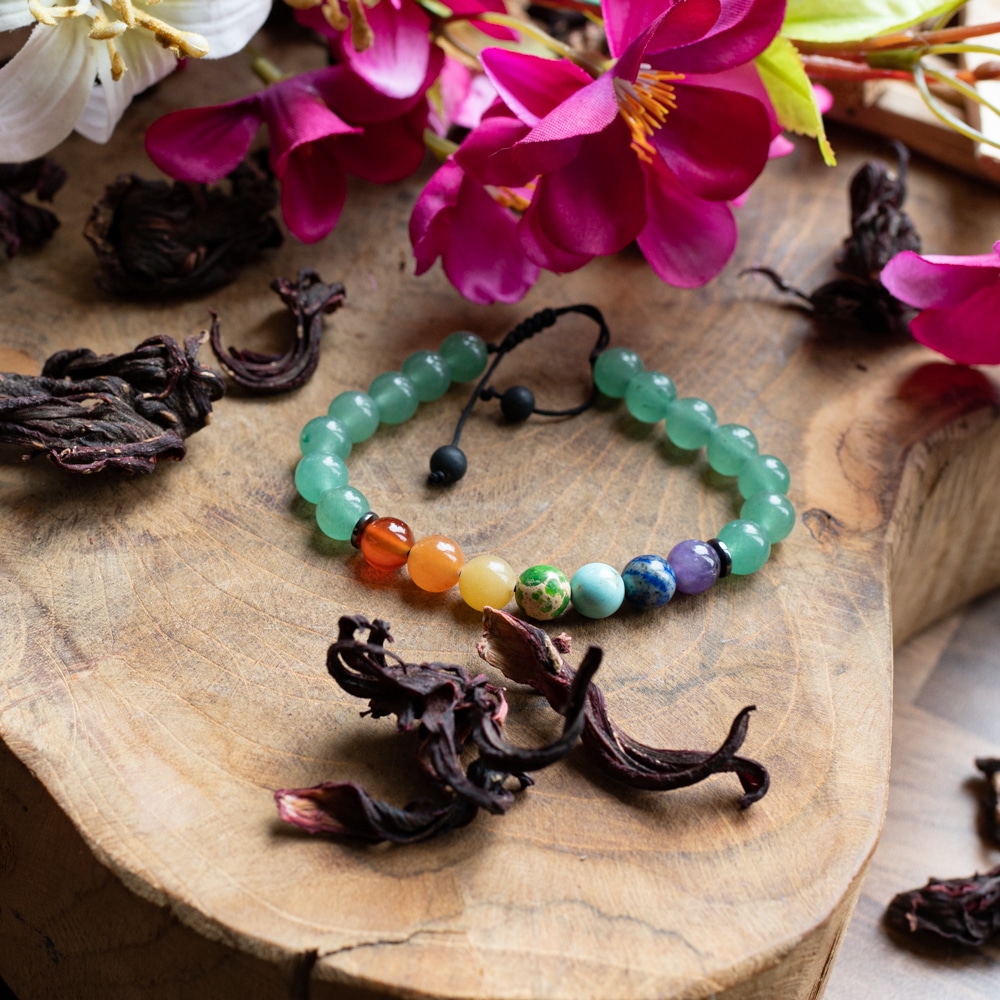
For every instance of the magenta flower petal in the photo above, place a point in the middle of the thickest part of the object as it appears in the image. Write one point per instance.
(540, 249)
(313, 189)
(430, 223)
(687, 241)
(596, 204)
(682, 22)
(931, 281)
(469, 9)
(386, 151)
(396, 62)
(494, 133)
(968, 333)
(200, 145)
(715, 141)
(530, 85)
(744, 29)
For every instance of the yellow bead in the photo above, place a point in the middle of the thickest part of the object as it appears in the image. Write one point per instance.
(487, 581)
(434, 563)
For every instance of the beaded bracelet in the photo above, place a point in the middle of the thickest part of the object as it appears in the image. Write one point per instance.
(436, 563)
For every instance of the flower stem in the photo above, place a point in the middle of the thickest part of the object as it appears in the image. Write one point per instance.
(581, 59)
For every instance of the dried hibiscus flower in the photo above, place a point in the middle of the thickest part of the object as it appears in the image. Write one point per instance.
(90, 412)
(23, 225)
(449, 710)
(525, 653)
(963, 910)
(308, 299)
(155, 239)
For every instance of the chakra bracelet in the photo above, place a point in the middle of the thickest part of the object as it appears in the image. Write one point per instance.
(436, 563)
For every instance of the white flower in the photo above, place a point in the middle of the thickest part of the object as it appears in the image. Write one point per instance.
(83, 63)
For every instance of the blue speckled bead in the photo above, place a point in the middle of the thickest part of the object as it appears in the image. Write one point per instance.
(649, 581)
(597, 590)
(430, 373)
(357, 412)
(395, 396)
(325, 434)
(318, 472)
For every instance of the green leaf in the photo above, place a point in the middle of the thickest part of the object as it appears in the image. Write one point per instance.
(792, 95)
(855, 20)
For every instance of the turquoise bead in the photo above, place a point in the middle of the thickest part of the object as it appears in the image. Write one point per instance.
(339, 510)
(395, 396)
(730, 448)
(649, 395)
(325, 434)
(614, 369)
(772, 511)
(358, 412)
(763, 473)
(466, 355)
(691, 423)
(430, 374)
(748, 544)
(318, 472)
(597, 590)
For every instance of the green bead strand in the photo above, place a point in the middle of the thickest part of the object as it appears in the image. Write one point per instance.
(649, 395)
(614, 369)
(325, 434)
(318, 472)
(395, 396)
(730, 448)
(358, 412)
(763, 473)
(772, 511)
(339, 510)
(691, 423)
(466, 354)
(748, 545)
(430, 374)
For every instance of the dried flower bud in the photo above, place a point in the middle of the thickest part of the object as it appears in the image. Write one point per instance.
(963, 910)
(155, 239)
(23, 225)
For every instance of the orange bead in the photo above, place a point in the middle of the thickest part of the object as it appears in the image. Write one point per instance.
(386, 543)
(435, 563)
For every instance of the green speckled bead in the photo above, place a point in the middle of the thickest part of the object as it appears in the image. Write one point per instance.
(358, 412)
(325, 434)
(430, 374)
(730, 448)
(649, 395)
(597, 589)
(318, 472)
(614, 369)
(691, 423)
(542, 592)
(763, 473)
(339, 510)
(395, 396)
(772, 511)
(466, 355)
(748, 544)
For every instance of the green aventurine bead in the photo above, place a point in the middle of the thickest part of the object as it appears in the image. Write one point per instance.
(649, 395)
(466, 355)
(357, 412)
(763, 473)
(430, 374)
(339, 510)
(395, 396)
(614, 369)
(691, 423)
(318, 472)
(772, 511)
(325, 434)
(730, 448)
(748, 544)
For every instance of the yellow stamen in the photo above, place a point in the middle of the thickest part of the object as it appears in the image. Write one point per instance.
(645, 105)
(362, 35)
(509, 198)
(118, 66)
(335, 17)
(50, 15)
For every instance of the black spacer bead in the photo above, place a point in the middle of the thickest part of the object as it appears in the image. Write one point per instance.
(517, 403)
(448, 465)
(359, 528)
(725, 558)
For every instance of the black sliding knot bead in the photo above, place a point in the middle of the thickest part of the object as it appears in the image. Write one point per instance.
(359, 528)
(725, 558)
(448, 465)
(517, 403)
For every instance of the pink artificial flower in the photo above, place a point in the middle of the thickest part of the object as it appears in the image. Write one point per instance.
(654, 147)
(396, 61)
(322, 125)
(472, 230)
(460, 97)
(958, 299)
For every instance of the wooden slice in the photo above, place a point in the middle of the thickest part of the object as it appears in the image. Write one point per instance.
(164, 639)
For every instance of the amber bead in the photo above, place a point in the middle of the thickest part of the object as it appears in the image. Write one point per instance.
(435, 563)
(386, 543)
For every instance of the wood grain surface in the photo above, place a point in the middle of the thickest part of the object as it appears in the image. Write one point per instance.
(164, 639)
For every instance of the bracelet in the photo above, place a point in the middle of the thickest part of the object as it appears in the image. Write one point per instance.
(436, 563)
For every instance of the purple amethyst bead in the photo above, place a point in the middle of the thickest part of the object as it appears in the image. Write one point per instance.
(696, 566)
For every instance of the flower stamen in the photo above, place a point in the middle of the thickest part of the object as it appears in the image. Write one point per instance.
(645, 105)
